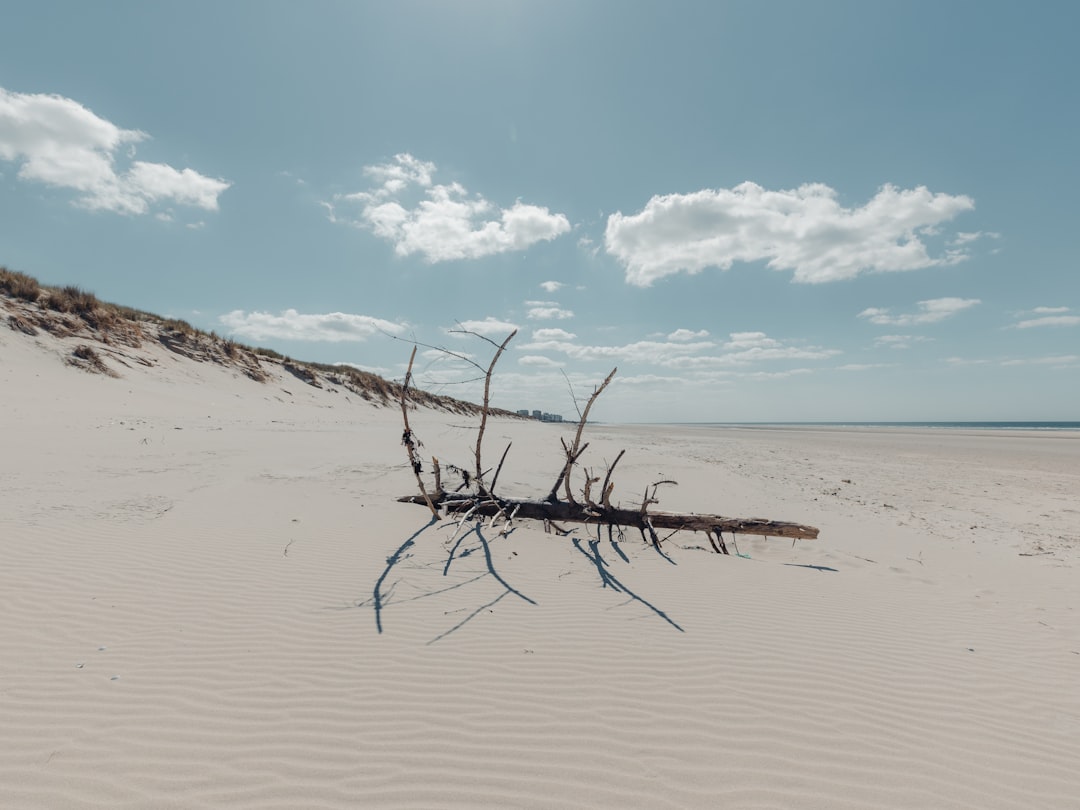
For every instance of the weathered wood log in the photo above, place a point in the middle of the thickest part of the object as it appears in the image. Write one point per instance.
(563, 512)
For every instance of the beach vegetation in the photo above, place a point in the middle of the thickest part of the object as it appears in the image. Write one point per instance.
(68, 311)
(19, 285)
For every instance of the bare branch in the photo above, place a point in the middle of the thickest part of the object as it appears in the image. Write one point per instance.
(499, 468)
(487, 404)
(410, 441)
(575, 449)
(605, 491)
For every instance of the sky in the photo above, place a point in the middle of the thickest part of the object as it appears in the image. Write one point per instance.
(756, 211)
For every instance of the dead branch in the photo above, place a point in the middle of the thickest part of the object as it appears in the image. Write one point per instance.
(576, 513)
(606, 490)
(486, 408)
(475, 500)
(411, 443)
(575, 449)
(498, 469)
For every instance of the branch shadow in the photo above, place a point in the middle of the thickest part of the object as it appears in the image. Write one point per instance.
(381, 595)
(391, 561)
(821, 568)
(608, 580)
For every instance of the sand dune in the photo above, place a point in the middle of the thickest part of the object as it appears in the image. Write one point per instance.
(191, 566)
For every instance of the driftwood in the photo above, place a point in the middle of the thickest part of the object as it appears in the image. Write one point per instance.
(563, 512)
(476, 498)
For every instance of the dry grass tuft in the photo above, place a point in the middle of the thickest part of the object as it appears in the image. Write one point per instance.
(19, 285)
(71, 300)
(20, 324)
(86, 358)
(178, 325)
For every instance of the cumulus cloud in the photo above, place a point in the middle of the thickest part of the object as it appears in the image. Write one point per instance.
(744, 348)
(442, 222)
(61, 143)
(552, 334)
(552, 286)
(642, 351)
(931, 311)
(547, 311)
(331, 327)
(964, 238)
(805, 230)
(489, 327)
(681, 335)
(539, 361)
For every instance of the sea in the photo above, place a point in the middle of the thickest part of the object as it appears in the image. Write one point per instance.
(1042, 426)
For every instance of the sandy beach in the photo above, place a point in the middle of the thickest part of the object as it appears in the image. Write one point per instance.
(210, 598)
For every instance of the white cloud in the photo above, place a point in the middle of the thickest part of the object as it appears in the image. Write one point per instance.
(750, 340)
(331, 327)
(682, 335)
(1048, 316)
(1065, 360)
(446, 223)
(752, 355)
(745, 348)
(862, 366)
(966, 361)
(651, 379)
(442, 355)
(931, 311)
(965, 238)
(489, 327)
(643, 351)
(1050, 320)
(537, 360)
(900, 341)
(552, 334)
(779, 375)
(552, 286)
(61, 143)
(805, 230)
(548, 313)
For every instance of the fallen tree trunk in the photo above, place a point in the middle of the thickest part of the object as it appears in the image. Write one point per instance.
(564, 512)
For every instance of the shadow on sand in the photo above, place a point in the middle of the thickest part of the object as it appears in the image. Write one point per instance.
(382, 593)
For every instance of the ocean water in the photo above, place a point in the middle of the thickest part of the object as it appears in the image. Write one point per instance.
(918, 425)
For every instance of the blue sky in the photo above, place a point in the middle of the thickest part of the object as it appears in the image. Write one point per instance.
(756, 210)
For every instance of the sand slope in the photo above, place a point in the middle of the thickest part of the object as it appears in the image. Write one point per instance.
(188, 612)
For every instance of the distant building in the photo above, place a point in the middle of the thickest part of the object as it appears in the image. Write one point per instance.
(542, 416)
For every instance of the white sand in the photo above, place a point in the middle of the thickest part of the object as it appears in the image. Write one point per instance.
(188, 561)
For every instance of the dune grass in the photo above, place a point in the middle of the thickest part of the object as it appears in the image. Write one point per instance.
(117, 323)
